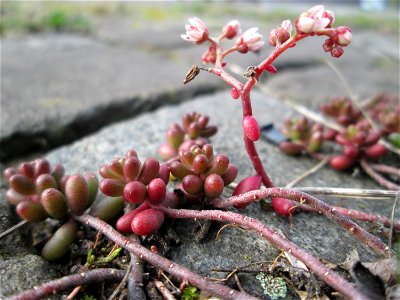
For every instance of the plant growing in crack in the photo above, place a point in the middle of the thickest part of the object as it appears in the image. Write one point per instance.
(203, 175)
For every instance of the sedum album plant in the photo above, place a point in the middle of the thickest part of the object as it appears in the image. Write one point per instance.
(192, 178)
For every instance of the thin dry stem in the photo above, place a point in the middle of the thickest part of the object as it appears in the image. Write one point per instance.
(166, 293)
(13, 228)
(314, 169)
(392, 223)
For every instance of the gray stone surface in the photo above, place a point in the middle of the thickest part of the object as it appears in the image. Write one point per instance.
(313, 232)
(22, 272)
(56, 88)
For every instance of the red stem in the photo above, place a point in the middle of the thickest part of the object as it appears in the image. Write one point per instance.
(385, 169)
(378, 178)
(322, 207)
(68, 282)
(363, 216)
(162, 263)
(326, 274)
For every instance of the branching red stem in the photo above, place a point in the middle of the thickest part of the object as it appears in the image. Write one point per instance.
(363, 216)
(165, 264)
(378, 178)
(326, 274)
(385, 169)
(68, 282)
(369, 239)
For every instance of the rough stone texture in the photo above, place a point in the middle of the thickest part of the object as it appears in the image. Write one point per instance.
(58, 88)
(23, 272)
(313, 232)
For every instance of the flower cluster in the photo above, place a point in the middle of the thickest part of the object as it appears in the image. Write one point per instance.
(316, 21)
(193, 131)
(197, 32)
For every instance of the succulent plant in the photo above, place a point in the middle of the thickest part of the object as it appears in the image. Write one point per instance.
(303, 136)
(202, 173)
(142, 184)
(358, 141)
(40, 191)
(342, 110)
(193, 131)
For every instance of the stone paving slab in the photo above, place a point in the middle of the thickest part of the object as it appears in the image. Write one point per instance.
(234, 248)
(315, 233)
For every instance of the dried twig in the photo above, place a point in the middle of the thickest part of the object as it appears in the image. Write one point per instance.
(392, 223)
(166, 293)
(314, 169)
(348, 193)
(13, 228)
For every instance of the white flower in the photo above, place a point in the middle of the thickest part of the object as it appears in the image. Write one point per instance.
(250, 40)
(315, 19)
(196, 31)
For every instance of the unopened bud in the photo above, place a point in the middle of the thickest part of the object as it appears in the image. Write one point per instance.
(231, 29)
(251, 128)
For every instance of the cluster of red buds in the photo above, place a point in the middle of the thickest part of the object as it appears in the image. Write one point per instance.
(203, 173)
(342, 110)
(138, 184)
(359, 141)
(303, 135)
(194, 131)
(40, 191)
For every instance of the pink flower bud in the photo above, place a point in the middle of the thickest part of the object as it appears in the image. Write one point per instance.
(250, 40)
(343, 35)
(280, 34)
(196, 31)
(328, 44)
(231, 29)
(251, 128)
(315, 19)
(210, 56)
(235, 93)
